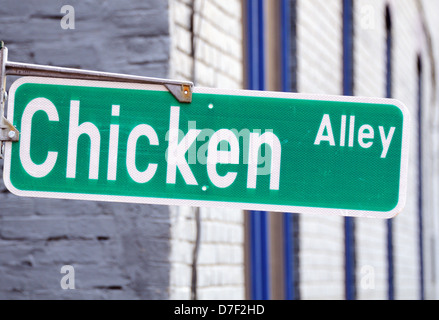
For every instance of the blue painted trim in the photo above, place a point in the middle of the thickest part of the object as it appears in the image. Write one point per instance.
(255, 45)
(260, 286)
(288, 57)
(289, 256)
(285, 34)
(390, 262)
(259, 243)
(348, 54)
(265, 258)
(389, 223)
(350, 288)
(288, 239)
(348, 89)
(261, 45)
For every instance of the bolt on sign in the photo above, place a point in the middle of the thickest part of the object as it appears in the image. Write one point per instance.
(95, 140)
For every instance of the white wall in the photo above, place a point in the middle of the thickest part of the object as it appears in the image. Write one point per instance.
(319, 60)
(320, 71)
(370, 81)
(431, 152)
(405, 26)
(219, 63)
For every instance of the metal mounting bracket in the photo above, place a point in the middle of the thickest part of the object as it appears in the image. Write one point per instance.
(7, 131)
(181, 90)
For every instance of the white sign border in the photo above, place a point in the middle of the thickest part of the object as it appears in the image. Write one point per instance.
(206, 203)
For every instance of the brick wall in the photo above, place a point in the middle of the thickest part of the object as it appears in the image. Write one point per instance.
(134, 251)
(118, 250)
(218, 42)
(370, 81)
(405, 18)
(319, 61)
(431, 181)
(320, 71)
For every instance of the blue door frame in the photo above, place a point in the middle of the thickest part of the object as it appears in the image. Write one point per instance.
(259, 243)
(288, 67)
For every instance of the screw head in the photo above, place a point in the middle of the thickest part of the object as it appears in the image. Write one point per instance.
(11, 134)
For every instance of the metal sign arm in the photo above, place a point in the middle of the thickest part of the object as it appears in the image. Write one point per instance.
(181, 90)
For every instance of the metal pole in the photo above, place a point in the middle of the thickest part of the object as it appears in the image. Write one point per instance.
(7, 131)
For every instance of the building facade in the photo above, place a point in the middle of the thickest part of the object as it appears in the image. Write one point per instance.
(128, 251)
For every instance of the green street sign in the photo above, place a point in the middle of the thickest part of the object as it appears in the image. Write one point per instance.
(253, 150)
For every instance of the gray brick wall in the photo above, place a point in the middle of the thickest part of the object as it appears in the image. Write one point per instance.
(118, 250)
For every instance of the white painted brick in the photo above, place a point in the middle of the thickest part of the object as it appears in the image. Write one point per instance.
(219, 63)
(182, 14)
(218, 43)
(369, 74)
(183, 39)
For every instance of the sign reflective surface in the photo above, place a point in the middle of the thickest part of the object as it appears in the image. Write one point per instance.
(245, 149)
